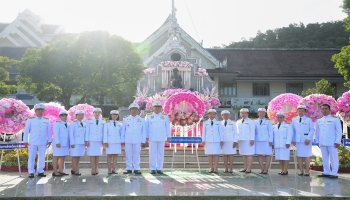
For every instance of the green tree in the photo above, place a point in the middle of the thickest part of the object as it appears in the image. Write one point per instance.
(53, 72)
(323, 35)
(111, 68)
(5, 63)
(322, 87)
(94, 65)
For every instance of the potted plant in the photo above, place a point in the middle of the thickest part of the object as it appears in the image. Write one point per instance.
(10, 161)
(344, 161)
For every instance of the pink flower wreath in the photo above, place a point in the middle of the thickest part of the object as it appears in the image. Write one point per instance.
(88, 112)
(313, 104)
(286, 103)
(344, 107)
(13, 115)
(184, 108)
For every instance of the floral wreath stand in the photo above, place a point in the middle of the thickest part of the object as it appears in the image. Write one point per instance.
(186, 111)
(13, 114)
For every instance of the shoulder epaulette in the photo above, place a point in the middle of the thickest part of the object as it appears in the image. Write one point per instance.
(31, 117)
(57, 121)
(46, 118)
(90, 119)
(75, 120)
(126, 116)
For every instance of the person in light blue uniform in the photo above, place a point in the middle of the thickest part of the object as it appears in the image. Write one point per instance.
(134, 132)
(246, 139)
(282, 138)
(60, 145)
(303, 135)
(112, 140)
(76, 131)
(158, 131)
(228, 149)
(37, 137)
(263, 140)
(94, 139)
(212, 139)
(328, 138)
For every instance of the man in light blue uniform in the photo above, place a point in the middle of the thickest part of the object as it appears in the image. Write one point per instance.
(134, 134)
(328, 138)
(37, 137)
(158, 131)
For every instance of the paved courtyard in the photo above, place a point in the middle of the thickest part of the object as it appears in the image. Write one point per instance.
(179, 182)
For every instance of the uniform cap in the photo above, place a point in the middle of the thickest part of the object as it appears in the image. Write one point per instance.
(280, 114)
(244, 110)
(211, 110)
(63, 112)
(262, 110)
(97, 110)
(157, 103)
(39, 106)
(79, 112)
(134, 105)
(301, 107)
(225, 112)
(114, 112)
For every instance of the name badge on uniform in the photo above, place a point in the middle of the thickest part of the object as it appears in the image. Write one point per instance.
(138, 120)
(161, 117)
(152, 117)
(284, 127)
(91, 123)
(263, 124)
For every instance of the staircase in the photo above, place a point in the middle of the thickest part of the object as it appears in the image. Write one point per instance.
(181, 160)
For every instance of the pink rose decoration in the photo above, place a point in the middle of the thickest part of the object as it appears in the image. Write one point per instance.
(13, 115)
(344, 107)
(313, 104)
(88, 112)
(286, 103)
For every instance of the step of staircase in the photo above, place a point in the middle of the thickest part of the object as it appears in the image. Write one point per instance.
(182, 159)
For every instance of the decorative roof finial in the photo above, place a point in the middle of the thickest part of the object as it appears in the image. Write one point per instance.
(173, 10)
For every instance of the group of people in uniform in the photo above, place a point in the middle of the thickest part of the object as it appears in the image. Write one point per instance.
(94, 134)
(260, 137)
(252, 137)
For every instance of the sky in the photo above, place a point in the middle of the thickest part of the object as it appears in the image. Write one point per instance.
(216, 22)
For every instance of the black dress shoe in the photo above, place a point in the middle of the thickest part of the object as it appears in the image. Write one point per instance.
(226, 171)
(113, 172)
(63, 174)
(300, 174)
(248, 172)
(210, 171)
(41, 175)
(323, 175)
(53, 174)
(280, 173)
(137, 172)
(127, 172)
(159, 172)
(153, 172)
(31, 175)
(243, 170)
(333, 177)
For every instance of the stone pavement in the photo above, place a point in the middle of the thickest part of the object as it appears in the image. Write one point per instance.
(179, 182)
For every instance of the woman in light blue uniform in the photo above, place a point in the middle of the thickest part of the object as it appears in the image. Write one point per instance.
(94, 138)
(212, 139)
(112, 140)
(282, 138)
(60, 144)
(230, 140)
(263, 140)
(77, 141)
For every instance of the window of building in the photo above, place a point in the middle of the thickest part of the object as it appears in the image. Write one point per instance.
(261, 89)
(295, 88)
(228, 89)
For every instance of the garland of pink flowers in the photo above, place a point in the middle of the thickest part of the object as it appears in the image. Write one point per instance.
(344, 107)
(175, 64)
(286, 103)
(149, 71)
(88, 112)
(52, 111)
(17, 114)
(313, 104)
(184, 108)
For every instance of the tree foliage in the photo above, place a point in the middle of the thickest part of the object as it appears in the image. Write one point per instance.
(5, 63)
(323, 35)
(322, 87)
(95, 65)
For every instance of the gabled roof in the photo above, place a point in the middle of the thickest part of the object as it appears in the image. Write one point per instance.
(261, 64)
(184, 36)
(27, 30)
